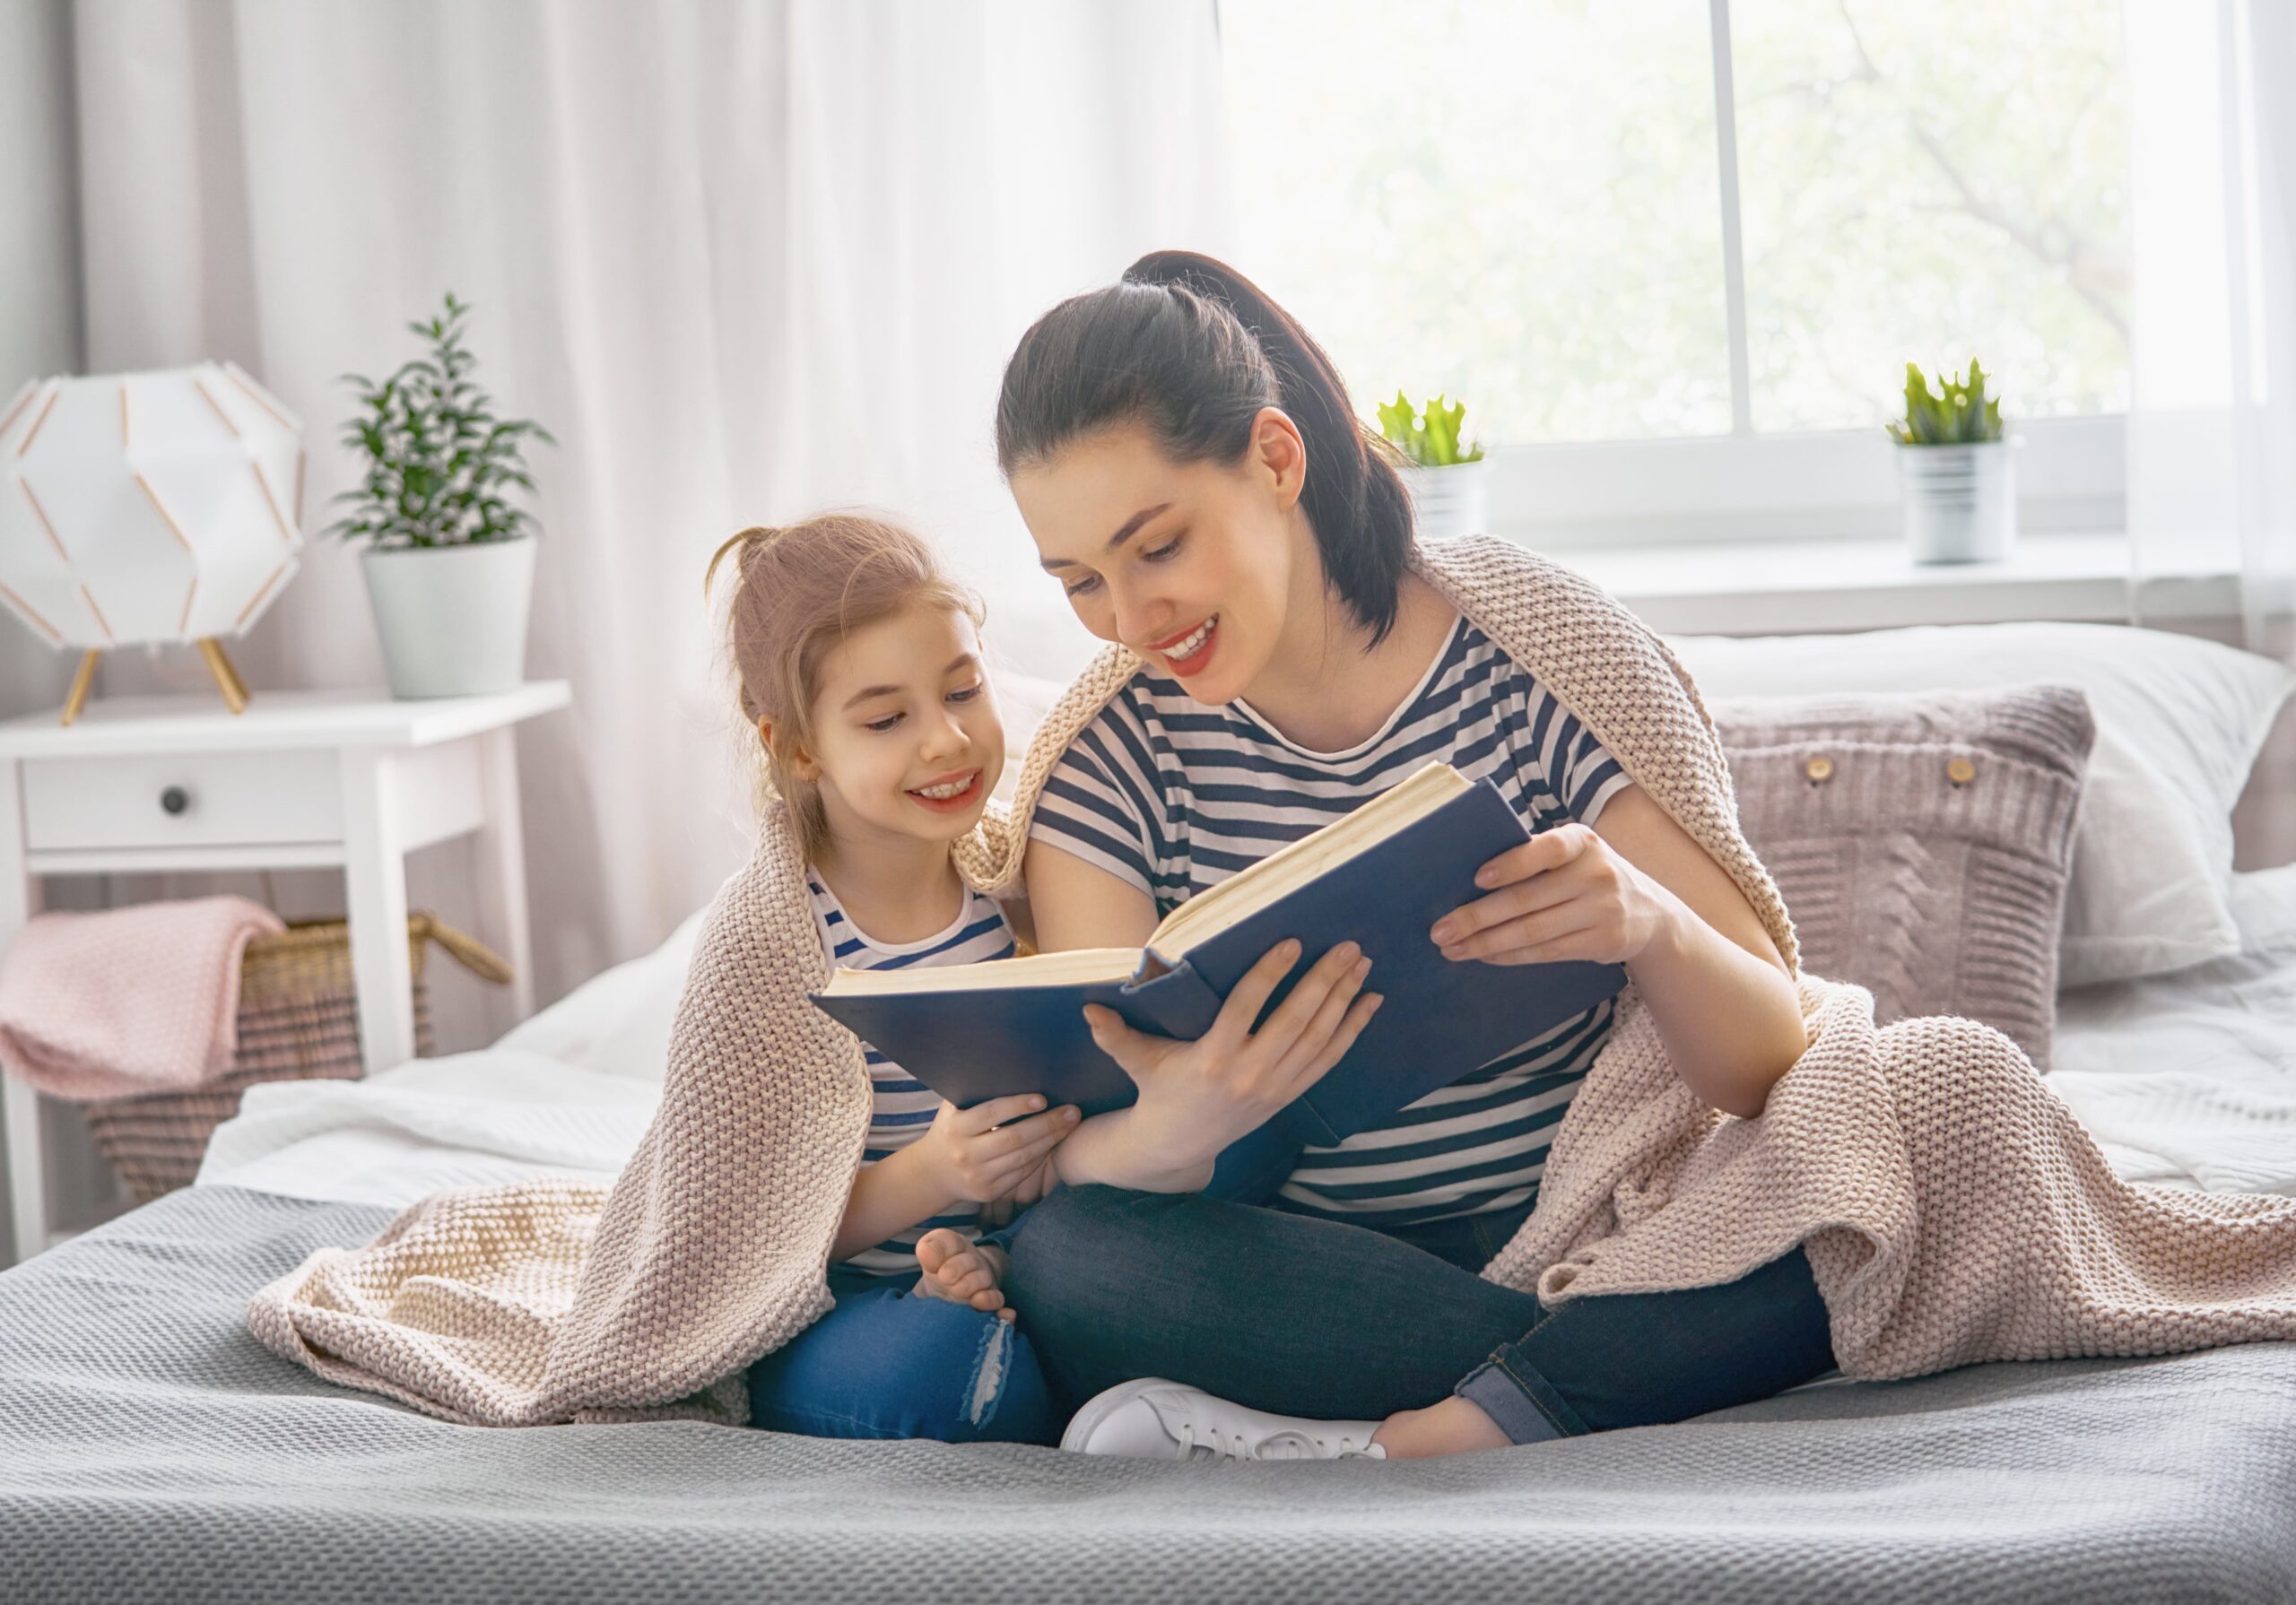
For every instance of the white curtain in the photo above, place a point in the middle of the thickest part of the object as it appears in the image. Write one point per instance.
(2211, 444)
(744, 258)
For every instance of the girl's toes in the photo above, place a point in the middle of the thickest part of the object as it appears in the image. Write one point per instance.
(934, 1247)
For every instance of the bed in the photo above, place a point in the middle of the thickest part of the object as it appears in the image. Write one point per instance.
(151, 1448)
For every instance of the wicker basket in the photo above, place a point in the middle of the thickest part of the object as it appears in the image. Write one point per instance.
(298, 1020)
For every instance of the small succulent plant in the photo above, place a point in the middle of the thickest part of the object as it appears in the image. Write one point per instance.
(1428, 436)
(1960, 415)
(440, 465)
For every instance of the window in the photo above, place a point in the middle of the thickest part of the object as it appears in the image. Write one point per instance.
(1679, 253)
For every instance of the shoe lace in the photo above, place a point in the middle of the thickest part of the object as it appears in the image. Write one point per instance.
(1287, 1445)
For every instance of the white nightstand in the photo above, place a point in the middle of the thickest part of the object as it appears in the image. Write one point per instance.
(301, 779)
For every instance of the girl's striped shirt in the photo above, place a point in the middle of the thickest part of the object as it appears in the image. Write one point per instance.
(1172, 796)
(901, 1107)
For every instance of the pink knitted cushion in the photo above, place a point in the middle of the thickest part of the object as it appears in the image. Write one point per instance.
(1922, 841)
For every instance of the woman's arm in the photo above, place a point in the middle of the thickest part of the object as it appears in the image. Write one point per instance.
(1195, 1097)
(1637, 889)
(1079, 905)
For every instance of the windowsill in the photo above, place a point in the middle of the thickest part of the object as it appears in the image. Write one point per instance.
(1800, 586)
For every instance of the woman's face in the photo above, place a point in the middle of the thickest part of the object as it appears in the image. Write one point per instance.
(1198, 567)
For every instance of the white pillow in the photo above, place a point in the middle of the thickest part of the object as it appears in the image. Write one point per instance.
(2179, 722)
(618, 1021)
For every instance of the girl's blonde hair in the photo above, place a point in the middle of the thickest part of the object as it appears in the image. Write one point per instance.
(797, 592)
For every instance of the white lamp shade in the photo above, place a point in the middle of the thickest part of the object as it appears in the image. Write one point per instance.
(147, 507)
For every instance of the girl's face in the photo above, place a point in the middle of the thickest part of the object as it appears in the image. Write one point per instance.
(907, 741)
(1198, 567)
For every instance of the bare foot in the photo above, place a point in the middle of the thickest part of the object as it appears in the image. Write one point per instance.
(1456, 1426)
(961, 1272)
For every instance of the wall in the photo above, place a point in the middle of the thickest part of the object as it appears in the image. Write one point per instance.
(41, 333)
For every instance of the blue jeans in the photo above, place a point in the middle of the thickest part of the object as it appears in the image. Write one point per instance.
(1304, 1317)
(885, 1364)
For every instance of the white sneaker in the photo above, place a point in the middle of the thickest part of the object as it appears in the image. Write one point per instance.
(1155, 1419)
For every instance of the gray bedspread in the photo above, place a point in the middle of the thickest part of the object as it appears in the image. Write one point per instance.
(151, 1449)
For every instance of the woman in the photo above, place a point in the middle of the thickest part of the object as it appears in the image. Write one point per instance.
(1188, 465)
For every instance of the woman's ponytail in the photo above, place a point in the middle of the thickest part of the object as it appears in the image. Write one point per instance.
(1193, 349)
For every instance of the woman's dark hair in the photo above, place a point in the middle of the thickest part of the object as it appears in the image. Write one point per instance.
(1193, 349)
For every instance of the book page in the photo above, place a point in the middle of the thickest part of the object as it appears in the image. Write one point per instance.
(1248, 890)
(1038, 969)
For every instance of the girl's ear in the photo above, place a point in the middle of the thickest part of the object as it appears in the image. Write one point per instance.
(802, 763)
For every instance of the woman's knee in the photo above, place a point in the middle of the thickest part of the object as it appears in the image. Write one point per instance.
(1070, 1250)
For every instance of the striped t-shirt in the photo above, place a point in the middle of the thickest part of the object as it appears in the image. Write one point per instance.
(902, 1106)
(1173, 797)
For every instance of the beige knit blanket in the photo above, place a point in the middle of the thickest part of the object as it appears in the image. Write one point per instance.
(1952, 1208)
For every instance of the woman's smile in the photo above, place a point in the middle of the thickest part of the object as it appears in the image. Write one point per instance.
(1188, 652)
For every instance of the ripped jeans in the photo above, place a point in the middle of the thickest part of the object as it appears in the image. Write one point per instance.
(886, 1364)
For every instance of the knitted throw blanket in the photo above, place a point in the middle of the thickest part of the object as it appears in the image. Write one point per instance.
(1952, 1208)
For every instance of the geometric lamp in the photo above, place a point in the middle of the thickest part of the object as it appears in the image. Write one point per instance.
(145, 507)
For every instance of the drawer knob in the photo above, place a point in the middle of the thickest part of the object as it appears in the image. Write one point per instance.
(175, 799)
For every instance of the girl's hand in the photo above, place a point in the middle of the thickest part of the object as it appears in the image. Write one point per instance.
(974, 1157)
(1028, 1189)
(1566, 893)
(1195, 1097)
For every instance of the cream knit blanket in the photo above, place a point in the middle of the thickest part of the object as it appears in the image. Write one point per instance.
(1952, 1206)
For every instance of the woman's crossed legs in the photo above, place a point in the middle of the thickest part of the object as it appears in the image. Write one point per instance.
(1299, 1316)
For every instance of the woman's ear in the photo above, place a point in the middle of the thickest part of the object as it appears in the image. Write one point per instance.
(1279, 452)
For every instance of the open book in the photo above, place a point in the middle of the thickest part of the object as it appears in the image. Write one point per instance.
(1380, 877)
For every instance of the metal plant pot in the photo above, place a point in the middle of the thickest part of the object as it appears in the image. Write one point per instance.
(1961, 501)
(1451, 501)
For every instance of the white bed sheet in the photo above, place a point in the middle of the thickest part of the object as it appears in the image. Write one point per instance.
(2187, 1078)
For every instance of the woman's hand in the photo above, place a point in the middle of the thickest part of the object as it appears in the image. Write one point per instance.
(972, 1157)
(1566, 893)
(1196, 1097)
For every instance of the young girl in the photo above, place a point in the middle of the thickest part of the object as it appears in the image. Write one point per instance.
(860, 670)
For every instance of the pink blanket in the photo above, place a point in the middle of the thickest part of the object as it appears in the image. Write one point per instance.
(142, 999)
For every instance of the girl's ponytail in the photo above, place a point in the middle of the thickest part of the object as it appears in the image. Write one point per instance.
(1193, 350)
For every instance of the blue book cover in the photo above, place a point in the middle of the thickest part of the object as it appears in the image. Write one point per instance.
(1403, 866)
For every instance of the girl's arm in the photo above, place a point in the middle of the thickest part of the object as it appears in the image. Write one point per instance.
(895, 1193)
(966, 1156)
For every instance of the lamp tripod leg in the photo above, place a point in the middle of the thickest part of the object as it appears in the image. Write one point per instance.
(77, 697)
(233, 669)
(227, 677)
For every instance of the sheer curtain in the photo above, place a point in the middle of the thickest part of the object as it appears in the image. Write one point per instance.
(745, 259)
(2211, 443)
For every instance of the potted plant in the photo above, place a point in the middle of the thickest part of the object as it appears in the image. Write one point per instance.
(1961, 498)
(1448, 482)
(449, 560)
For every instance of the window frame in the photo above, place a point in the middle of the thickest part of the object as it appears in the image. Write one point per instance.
(1750, 484)
(1821, 484)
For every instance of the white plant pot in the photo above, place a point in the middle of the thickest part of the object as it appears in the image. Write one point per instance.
(452, 619)
(1961, 501)
(1447, 502)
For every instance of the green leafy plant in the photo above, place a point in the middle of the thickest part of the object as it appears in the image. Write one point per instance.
(1429, 437)
(440, 465)
(1960, 415)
